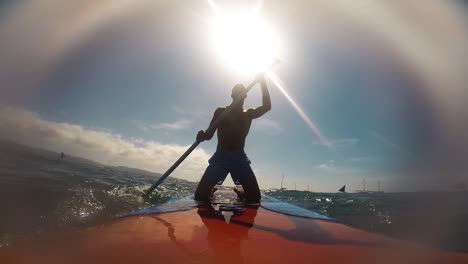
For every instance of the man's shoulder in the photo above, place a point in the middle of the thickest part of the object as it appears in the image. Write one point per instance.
(250, 111)
(221, 109)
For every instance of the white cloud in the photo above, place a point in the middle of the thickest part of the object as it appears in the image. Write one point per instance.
(194, 113)
(359, 159)
(142, 126)
(103, 146)
(267, 124)
(179, 110)
(388, 143)
(329, 165)
(344, 142)
(323, 166)
(180, 124)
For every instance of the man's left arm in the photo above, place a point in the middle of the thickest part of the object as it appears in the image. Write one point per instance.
(202, 135)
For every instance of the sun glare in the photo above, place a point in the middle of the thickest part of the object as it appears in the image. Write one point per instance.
(244, 41)
(249, 46)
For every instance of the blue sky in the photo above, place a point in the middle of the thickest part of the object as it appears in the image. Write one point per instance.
(148, 73)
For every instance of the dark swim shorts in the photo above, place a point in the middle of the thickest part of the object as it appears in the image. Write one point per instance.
(223, 162)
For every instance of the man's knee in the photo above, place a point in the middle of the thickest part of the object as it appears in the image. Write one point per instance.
(198, 196)
(252, 192)
(202, 193)
(253, 195)
(204, 189)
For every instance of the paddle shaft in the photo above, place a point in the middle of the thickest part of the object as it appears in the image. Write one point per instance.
(210, 130)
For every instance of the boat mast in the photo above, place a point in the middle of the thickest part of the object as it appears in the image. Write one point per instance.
(282, 179)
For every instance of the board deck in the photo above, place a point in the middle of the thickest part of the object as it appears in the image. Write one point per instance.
(183, 231)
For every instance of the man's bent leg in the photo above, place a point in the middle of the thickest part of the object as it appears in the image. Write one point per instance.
(210, 178)
(247, 179)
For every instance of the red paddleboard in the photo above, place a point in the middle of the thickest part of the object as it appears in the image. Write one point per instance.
(224, 231)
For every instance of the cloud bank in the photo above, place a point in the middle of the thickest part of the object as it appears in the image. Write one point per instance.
(106, 147)
(177, 125)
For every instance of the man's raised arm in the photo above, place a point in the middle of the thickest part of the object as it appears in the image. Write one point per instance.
(266, 102)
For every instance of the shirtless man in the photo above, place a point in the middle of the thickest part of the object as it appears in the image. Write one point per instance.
(230, 156)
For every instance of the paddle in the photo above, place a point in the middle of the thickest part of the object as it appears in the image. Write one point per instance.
(210, 130)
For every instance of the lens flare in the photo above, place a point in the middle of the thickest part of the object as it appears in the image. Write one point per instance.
(279, 84)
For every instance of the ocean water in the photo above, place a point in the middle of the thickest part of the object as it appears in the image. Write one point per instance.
(437, 219)
(41, 193)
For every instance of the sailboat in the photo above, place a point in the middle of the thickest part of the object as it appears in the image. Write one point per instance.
(367, 191)
(342, 189)
(363, 187)
(282, 179)
(378, 188)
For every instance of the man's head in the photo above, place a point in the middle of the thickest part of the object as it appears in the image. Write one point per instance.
(237, 90)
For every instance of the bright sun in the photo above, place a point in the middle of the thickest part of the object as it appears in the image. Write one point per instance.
(244, 41)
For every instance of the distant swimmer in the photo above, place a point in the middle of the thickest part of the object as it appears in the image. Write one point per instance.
(230, 156)
(60, 157)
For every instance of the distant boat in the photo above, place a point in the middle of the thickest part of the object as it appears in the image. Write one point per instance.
(367, 191)
(342, 189)
(379, 190)
(282, 179)
(363, 187)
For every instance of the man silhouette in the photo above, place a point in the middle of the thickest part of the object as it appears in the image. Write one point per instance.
(230, 156)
